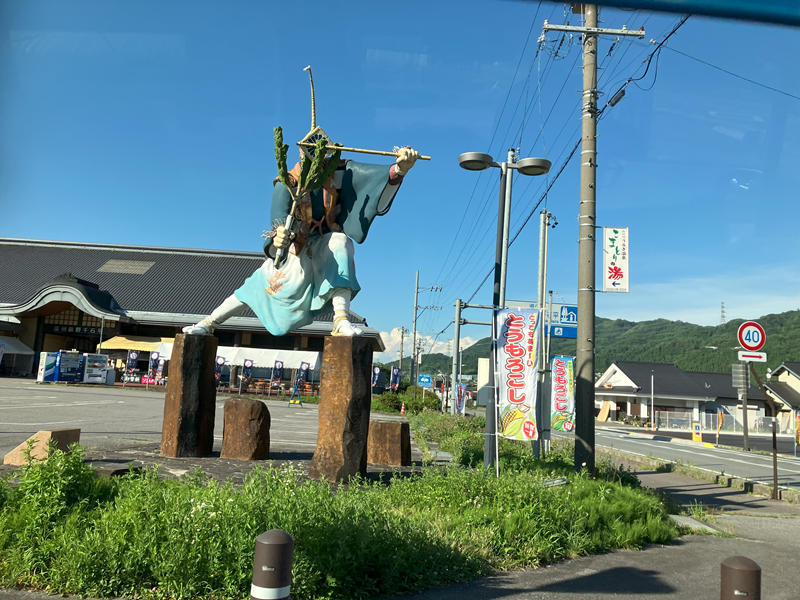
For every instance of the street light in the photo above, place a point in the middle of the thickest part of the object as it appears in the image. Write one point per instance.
(477, 161)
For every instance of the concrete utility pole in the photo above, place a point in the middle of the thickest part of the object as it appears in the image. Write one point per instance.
(584, 362)
(414, 337)
(456, 355)
(403, 332)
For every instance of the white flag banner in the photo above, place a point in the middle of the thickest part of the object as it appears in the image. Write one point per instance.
(516, 357)
(616, 272)
(562, 393)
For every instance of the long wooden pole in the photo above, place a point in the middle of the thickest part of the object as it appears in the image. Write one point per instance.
(361, 150)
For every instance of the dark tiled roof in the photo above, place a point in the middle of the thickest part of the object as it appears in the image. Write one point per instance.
(668, 380)
(785, 392)
(721, 385)
(794, 367)
(179, 281)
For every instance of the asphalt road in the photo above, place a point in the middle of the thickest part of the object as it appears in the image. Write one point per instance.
(757, 467)
(759, 441)
(116, 418)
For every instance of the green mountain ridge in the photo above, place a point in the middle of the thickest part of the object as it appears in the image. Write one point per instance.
(690, 347)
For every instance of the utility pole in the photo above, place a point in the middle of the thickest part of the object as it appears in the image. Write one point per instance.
(414, 339)
(456, 356)
(587, 223)
(417, 290)
(403, 332)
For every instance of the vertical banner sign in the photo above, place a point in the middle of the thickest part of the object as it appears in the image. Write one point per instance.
(616, 273)
(517, 364)
(376, 373)
(247, 372)
(395, 382)
(218, 364)
(797, 429)
(720, 420)
(562, 396)
(160, 370)
(133, 358)
(302, 374)
(277, 374)
(152, 367)
(461, 391)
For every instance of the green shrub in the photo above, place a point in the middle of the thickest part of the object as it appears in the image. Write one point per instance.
(143, 536)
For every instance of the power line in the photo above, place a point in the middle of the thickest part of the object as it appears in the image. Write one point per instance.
(541, 198)
(732, 73)
(497, 126)
(653, 54)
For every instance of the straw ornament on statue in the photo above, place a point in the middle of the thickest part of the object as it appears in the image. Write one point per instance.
(316, 146)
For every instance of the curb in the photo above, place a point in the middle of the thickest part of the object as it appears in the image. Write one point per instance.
(751, 487)
(666, 438)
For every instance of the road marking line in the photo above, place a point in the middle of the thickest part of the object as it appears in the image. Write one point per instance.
(52, 405)
(47, 423)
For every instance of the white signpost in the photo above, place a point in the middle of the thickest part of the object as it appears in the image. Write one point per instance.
(753, 356)
(616, 271)
(751, 337)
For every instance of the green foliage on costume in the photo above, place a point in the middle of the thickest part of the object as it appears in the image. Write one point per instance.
(281, 151)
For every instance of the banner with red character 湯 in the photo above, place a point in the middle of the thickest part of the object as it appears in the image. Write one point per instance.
(516, 360)
(616, 270)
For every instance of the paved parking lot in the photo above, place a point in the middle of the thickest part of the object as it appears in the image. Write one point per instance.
(122, 425)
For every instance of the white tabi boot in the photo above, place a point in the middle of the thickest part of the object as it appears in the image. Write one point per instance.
(230, 307)
(341, 307)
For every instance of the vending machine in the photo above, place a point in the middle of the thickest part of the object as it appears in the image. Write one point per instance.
(94, 368)
(47, 366)
(69, 367)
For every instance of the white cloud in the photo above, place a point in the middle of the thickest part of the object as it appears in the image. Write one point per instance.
(391, 340)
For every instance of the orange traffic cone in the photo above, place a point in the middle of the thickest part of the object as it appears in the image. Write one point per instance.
(403, 408)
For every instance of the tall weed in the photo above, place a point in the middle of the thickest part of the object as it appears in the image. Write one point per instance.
(144, 536)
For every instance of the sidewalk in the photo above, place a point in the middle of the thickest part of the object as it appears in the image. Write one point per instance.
(767, 531)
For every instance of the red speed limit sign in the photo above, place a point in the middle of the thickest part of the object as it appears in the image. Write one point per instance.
(751, 336)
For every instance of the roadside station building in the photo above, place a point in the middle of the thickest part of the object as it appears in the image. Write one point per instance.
(71, 295)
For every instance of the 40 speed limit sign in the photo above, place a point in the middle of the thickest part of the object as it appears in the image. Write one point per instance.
(751, 336)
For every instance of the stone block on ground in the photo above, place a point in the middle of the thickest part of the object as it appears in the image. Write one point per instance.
(41, 440)
(190, 402)
(344, 405)
(245, 434)
(389, 443)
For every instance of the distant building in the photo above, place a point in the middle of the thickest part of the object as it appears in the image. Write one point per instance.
(68, 295)
(623, 392)
(783, 385)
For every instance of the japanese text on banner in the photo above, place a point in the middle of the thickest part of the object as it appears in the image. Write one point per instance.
(517, 365)
(616, 272)
(562, 396)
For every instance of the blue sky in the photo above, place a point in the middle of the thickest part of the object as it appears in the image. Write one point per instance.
(151, 123)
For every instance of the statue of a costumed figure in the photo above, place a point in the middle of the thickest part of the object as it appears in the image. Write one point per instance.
(318, 209)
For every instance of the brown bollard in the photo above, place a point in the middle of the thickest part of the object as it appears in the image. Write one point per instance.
(272, 566)
(740, 577)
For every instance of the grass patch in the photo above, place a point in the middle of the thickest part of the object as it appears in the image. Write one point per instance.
(65, 530)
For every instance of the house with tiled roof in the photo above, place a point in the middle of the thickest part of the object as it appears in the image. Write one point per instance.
(71, 295)
(629, 390)
(783, 385)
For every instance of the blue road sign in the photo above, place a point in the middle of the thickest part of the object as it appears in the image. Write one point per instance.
(564, 321)
(425, 381)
